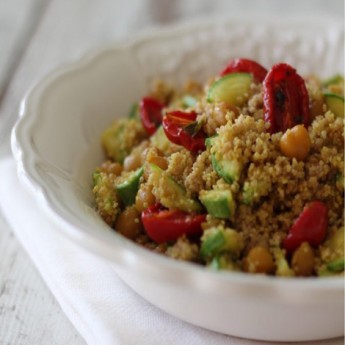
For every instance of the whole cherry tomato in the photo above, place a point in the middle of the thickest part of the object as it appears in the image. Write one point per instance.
(181, 129)
(150, 113)
(311, 226)
(163, 225)
(286, 101)
(245, 65)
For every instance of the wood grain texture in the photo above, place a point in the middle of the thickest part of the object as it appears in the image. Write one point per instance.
(29, 313)
(18, 19)
(36, 36)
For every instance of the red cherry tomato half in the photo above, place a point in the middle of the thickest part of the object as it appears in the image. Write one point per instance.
(311, 226)
(151, 114)
(247, 66)
(163, 225)
(286, 101)
(174, 125)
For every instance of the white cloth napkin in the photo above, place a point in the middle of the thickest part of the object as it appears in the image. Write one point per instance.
(102, 308)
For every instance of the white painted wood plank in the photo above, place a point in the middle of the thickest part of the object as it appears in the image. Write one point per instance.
(29, 313)
(18, 19)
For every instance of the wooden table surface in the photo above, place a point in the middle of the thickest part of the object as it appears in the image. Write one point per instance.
(39, 35)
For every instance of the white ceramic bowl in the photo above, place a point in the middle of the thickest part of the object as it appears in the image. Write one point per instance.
(56, 145)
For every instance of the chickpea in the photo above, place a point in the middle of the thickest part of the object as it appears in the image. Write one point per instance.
(295, 142)
(144, 198)
(303, 260)
(132, 162)
(111, 168)
(159, 161)
(128, 223)
(316, 106)
(259, 260)
(155, 156)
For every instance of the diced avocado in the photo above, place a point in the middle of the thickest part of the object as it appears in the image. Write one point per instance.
(220, 240)
(335, 103)
(119, 139)
(219, 203)
(332, 254)
(210, 140)
(254, 189)
(325, 271)
(134, 112)
(223, 262)
(333, 248)
(160, 140)
(229, 170)
(231, 89)
(128, 189)
(283, 269)
(248, 194)
(336, 265)
(334, 85)
(188, 101)
(336, 79)
(282, 266)
(169, 193)
(96, 178)
(105, 196)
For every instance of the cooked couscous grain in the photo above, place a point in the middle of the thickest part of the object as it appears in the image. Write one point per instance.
(222, 181)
